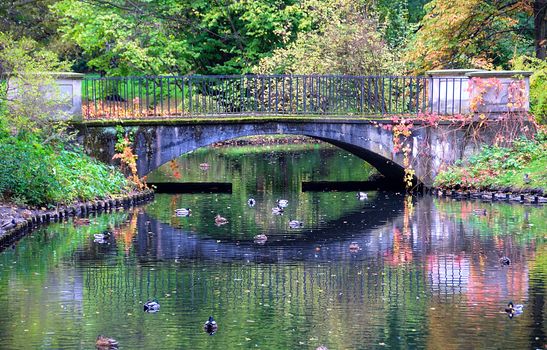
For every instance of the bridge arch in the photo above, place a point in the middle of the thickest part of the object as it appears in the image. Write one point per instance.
(162, 151)
(159, 141)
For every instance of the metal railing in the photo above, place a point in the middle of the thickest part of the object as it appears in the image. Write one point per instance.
(262, 95)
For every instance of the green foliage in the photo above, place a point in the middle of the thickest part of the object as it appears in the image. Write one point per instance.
(395, 17)
(345, 41)
(153, 37)
(538, 84)
(501, 166)
(37, 174)
(24, 84)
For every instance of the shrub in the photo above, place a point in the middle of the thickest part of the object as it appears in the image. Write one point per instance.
(36, 174)
(538, 84)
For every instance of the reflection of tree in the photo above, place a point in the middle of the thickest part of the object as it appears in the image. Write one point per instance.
(127, 232)
(401, 251)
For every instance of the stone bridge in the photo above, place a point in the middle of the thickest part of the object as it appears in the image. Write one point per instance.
(173, 115)
(158, 142)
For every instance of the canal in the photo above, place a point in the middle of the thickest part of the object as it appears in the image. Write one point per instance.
(382, 272)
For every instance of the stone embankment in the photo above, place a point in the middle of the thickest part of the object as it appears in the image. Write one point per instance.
(507, 195)
(16, 222)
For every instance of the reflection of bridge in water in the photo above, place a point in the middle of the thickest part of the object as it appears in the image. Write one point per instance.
(202, 271)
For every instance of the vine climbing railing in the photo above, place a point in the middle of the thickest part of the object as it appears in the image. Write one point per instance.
(266, 95)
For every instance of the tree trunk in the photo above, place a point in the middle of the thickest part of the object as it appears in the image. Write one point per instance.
(540, 27)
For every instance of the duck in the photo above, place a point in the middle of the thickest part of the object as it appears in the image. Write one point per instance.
(277, 210)
(513, 310)
(479, 212)
(152, 306)
(526, 179)
(183, 212)
(251, 202)
(210, 326)
(505, 261)
(204, 166)
(260, 239)
(296, 224)
(321, 347)
(354, 247)
(102, 238)
(282, 203)
(106, 343)
(219, 220)
(362, 196)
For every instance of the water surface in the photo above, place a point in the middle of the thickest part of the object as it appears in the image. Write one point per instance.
(426, 274)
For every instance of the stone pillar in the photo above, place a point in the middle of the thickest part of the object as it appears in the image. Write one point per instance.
(70, 88)
(60, 91)
(498, 92)
(447, 91)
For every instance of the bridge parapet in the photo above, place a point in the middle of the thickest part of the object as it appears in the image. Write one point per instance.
(465, 91)
(446, 92)
(59, 93)
(253, 95)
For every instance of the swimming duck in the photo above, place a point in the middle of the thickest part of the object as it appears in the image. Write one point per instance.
(479, 212)
(362, 196)
(251, 202)
(102, 238)
(513, 310)
(282, 203)
(106, 343)
(183, 212)
(505, 261)
(321, 347)
(295, 224)
(354, 247)
(260, 239)
(277, 210)
(152, 306)
(219, 220)
(210, 326)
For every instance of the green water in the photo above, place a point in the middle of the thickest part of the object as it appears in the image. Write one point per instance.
(426, 276)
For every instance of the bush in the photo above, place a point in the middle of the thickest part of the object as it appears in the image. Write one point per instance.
(538, 84)
(501, 166)
(36, 174)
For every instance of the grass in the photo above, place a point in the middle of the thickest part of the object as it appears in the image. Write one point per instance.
(520, 167)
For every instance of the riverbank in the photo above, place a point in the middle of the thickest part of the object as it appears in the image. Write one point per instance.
(16, 221)
(502, 171)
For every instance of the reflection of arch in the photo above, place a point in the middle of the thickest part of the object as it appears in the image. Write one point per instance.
(334, 236)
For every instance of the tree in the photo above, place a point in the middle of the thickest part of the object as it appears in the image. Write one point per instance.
(345, 41)
(540, 28)
(23, 108)
(471, 33)
(28, 18)
(122, 37)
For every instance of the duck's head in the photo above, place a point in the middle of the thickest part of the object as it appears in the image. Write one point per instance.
(510, 305)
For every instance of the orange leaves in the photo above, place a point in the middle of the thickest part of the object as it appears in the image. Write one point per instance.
(479, 87)
(175, 169)
(128, 161)
(466, 33)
